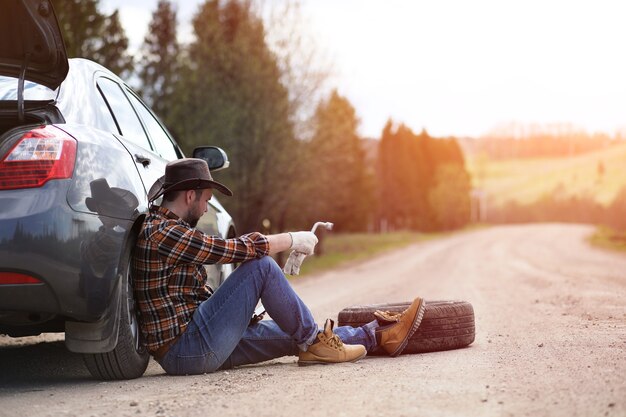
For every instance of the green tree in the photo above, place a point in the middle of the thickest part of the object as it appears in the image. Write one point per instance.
(159, 63)
(388, 187)
(113, 51)
(405, 173)
(229, 94)
(81, 26)
(343, 191)
(420, 175)
(450, 197)
(88, 33)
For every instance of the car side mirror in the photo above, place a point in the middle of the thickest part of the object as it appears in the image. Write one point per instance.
(214, 156)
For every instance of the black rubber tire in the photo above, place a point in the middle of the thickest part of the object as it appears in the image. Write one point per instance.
(130, 358)
(446, 324)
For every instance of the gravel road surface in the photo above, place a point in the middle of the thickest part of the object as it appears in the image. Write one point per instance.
(550, 341)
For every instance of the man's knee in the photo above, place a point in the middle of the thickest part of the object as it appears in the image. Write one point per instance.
(268, 262)
(265, 264)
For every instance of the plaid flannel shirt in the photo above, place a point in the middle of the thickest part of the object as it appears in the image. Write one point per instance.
(169, 277)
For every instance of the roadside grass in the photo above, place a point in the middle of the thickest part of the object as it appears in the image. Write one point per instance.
(607, 238)
(340, 249)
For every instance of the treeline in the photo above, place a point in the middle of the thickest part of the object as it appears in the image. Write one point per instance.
(534, 141)
(558, 207)
(295, 158)
(423, 183)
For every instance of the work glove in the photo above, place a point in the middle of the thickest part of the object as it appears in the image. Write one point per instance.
(303, 242)
(292, 266)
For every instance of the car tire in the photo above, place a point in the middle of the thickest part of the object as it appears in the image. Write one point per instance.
(446, 324)
(129, 359)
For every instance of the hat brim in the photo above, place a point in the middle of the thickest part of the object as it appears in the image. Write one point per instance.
(188, 184)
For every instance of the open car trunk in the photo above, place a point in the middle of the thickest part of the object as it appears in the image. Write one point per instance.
(31, 46)
(32, 54)
(36, 113)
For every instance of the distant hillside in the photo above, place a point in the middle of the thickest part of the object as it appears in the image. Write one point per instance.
(598, 175)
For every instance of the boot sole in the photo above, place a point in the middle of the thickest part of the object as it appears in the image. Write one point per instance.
(321, 362)
(416, 324)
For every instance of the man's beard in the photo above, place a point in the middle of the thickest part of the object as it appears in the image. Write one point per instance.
(192, 218)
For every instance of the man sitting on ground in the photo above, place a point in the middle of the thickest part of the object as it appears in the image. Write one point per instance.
(190, 330)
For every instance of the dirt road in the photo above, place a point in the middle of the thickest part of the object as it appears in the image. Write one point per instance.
(551, 341)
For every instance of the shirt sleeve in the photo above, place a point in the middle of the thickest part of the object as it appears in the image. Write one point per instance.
(179, 244)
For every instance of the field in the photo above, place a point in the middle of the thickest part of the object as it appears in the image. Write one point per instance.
(598, 175)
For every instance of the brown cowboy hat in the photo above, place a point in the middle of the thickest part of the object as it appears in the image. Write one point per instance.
(186, 174)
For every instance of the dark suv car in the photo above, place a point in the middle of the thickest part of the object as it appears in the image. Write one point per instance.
(79, 152)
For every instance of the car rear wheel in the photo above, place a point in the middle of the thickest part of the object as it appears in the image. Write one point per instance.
(130, 358)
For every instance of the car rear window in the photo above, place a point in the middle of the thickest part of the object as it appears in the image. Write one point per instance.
(32, 91)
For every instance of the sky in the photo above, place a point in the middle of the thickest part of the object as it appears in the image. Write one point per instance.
(459, 67)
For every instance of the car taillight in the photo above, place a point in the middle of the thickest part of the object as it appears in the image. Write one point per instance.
(41, 155)
(14, 278)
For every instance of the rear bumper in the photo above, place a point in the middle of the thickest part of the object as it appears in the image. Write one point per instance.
(71, 253)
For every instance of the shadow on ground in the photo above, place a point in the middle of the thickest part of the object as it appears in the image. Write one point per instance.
(38, 366)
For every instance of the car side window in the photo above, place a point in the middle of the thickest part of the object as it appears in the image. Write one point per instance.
(161, 140)
(105, 120)
(123, 113)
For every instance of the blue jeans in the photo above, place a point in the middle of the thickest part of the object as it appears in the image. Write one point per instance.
(220, 336)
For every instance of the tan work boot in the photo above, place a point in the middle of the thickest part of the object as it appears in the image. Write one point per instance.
(328, 348)
(397, 328)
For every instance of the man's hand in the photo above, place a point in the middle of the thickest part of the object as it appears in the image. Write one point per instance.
(303, 242)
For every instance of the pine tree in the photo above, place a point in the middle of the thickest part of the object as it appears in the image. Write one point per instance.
(385, 175)
(343, 191)
(88, 33)
(423, 181)
(229, 94)
(113, 52)
(159, 63)
(404, 171)
(449, 197)
(81, 26)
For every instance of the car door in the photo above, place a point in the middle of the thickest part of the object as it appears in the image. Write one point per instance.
(131, 132)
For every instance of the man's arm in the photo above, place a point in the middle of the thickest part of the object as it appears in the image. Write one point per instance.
(303, 242)
(180, 244)
(279, 243)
